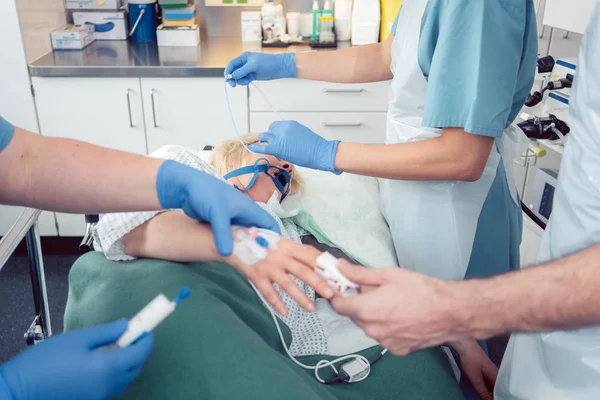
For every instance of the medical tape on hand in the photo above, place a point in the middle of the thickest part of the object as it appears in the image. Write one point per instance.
(252, 245)
(235, 128)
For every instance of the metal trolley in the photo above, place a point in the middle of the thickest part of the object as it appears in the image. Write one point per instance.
(27, 227)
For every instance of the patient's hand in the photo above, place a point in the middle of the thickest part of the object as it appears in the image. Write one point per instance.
(289, 258)
(477, 367)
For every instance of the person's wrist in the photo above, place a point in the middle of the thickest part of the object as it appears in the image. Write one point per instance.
(289, 65)
(329, 153)
(5, 392)
(472, 315)
(170, 188)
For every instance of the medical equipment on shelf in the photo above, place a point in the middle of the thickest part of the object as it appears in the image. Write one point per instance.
(150, 317)
(541, 196)
(537, 96)
(251, 245)
(550, 128)
(273, 21)
(328, 270)
(316, 15)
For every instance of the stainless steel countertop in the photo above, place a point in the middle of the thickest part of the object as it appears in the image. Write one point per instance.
(125, 59)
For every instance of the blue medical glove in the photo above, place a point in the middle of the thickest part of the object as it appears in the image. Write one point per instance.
(297, 144)
(70, 366)
(260, 67)
(205, 198)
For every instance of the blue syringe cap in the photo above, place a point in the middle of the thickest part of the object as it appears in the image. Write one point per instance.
(183, 294)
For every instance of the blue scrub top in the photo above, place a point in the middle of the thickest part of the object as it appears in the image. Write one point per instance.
(6, 133)
(479, 59)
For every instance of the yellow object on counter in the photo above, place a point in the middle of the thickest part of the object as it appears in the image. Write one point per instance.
(189, 22)
(539, 151)
(389, 11)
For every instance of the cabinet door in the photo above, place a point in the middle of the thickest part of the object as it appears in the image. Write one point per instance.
(10, 214)
(366, 127)
(192, 112)
(302, 95)
(103, 111)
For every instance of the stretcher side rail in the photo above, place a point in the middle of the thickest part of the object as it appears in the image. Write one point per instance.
(27, 227)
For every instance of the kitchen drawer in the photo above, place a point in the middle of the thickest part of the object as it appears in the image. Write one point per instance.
(302, 95)
(366, 127)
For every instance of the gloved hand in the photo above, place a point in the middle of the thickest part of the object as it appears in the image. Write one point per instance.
(262, 67)
(70, 366)
(297, 144)
(206, 198)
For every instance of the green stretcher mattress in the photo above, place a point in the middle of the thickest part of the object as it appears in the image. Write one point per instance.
(221, 343)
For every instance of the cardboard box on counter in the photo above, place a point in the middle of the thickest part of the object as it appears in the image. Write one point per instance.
(93, 4)
(178, 36)
(72, 37)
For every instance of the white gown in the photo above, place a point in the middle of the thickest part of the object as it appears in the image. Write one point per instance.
(566, 364)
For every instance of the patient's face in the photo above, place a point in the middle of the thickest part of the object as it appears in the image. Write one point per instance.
(263, 188)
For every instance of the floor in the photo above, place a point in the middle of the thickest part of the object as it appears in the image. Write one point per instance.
(16, 301)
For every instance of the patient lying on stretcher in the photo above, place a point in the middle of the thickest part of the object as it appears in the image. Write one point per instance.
(173, 236)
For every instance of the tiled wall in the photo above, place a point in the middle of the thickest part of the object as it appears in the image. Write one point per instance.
(38, 19)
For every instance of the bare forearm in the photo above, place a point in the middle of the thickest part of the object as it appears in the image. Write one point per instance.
(356, 65)
(175, 237)
(560, 295)
(71, 176)
(456, 155)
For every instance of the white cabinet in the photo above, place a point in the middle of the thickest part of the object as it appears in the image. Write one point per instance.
(347, 112)
(191, 112)
(103, 111)
(302, 95)
(362, 127)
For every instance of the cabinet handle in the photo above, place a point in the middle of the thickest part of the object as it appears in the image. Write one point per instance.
(129, 108)
(349, 125)
(153, 108)
(343, 90)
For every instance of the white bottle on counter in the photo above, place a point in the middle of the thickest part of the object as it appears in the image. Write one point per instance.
(366, 17)
(343, 19)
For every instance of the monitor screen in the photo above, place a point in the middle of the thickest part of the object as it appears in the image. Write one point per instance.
(547, 200)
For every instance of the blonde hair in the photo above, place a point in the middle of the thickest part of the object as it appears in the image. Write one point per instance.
(230, 155)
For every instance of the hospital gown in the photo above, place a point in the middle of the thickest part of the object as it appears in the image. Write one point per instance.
(479, 60)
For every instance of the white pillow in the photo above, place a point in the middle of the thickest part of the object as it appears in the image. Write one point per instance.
(346, 209)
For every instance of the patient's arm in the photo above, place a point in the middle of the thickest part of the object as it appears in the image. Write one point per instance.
(175, 237)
